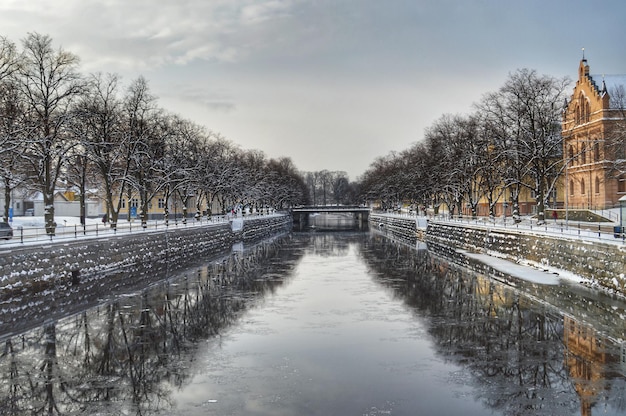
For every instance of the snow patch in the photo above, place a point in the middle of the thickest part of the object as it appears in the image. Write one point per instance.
(523, 272)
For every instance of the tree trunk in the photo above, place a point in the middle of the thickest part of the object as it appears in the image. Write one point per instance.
(7, 200)
(48, 197)
(83, 179)
(144, 208)
(541, 206)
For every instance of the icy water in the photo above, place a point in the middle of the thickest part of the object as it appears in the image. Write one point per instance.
(326, 324)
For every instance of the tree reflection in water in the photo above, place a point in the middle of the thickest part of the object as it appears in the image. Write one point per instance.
(524, 349)
(124, 357)
(524, 355)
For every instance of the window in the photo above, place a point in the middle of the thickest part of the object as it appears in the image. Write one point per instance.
(583, 153)
(621, 185)
(571, 187)
(161, 203)
(134, 203)
(597, 185)
(570, 153)
(582, 186)
(123, 203)
(596, 152)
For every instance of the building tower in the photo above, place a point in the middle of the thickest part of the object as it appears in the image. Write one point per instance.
(594, 131)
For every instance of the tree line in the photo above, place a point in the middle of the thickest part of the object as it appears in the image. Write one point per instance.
(59, 126)
(511, 142)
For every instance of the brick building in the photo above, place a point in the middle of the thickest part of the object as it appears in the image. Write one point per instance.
(594, 131)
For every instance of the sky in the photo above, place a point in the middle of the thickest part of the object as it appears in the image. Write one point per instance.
(332, 84)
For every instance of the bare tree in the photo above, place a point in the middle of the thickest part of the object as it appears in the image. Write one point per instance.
(527, 113)
(339, 186)
(12, 171)
(534, 104)
(145, 145)
(456, 156)
(616, 138)
(181, 161)
(99, 118)
(11, 113)
(50, 84)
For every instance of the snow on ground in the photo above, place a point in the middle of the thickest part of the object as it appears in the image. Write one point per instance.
(525, 272)
(31, 230)
(39, 222)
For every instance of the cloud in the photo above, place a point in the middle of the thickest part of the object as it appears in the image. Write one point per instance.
(285, 75)
(142, 34)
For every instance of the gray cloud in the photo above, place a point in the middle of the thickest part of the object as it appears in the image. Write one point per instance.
(332, 83)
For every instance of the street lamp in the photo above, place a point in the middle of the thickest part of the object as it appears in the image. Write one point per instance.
(622, 216)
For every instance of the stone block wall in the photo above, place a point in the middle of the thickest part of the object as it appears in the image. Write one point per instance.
(397, 227)
(601, 263)
(153, 251)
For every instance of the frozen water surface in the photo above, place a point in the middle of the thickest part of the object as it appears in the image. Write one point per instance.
(328, 324)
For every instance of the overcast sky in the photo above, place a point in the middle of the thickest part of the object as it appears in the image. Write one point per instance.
(333, 84)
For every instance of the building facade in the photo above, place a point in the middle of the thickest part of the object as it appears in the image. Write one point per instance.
(593, 141)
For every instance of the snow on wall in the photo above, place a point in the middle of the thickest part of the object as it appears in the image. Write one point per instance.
(125, 256)
(600, 263)
(596, 262)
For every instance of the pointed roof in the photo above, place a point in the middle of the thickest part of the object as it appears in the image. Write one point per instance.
(614, 86)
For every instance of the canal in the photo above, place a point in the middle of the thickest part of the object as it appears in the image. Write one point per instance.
(326, 323)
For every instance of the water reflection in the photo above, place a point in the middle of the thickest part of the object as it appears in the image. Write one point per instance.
(525, 356)
(329, 221)
(125, 357)
(327, 323)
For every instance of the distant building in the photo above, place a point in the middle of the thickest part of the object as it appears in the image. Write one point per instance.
(593, 132)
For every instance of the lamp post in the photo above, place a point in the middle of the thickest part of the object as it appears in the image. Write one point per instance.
(622, 216)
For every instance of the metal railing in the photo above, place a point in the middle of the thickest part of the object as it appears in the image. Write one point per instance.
(607, 232)
(63, 231)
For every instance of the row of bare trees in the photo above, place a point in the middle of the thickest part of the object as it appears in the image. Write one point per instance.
(511, 141)
(330, 187)
(87, 131)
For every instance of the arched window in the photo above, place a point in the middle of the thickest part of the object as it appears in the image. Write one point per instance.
(577, 114)
(597, 185)
(582, 187)
(596, 151)
(571, 187)
(587, 111)
(583, 153)
(570, 153)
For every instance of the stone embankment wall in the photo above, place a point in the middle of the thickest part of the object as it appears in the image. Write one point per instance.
(398, 227)
(46, 265)
(601, 263)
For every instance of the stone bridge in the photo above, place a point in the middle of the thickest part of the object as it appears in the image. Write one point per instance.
(301, 214)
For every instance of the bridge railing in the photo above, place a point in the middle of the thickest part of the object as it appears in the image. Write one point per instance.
(329, 208)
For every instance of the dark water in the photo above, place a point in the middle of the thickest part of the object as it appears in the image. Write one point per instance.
(327, 324)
